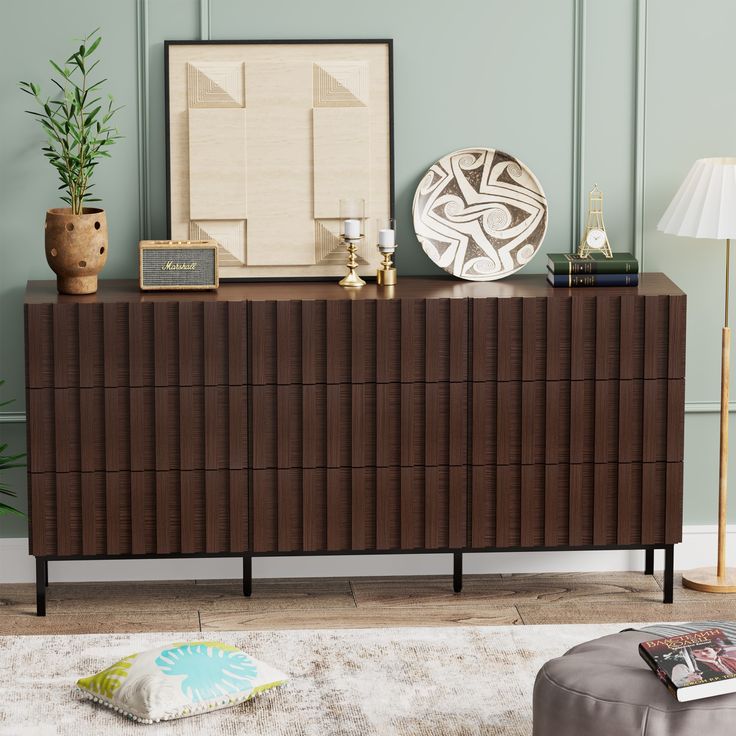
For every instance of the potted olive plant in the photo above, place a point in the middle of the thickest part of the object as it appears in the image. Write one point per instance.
(78, 128)
(6, 463)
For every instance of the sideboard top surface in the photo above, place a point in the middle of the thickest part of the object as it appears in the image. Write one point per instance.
(409, 287)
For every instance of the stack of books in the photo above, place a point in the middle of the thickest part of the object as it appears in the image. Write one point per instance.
(568, 269)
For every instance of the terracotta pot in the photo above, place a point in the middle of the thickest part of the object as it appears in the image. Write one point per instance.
(76, 248)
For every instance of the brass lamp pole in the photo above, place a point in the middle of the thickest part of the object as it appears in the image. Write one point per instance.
(723, 579)
(705, 207)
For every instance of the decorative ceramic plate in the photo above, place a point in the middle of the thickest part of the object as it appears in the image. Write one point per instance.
(480, 214)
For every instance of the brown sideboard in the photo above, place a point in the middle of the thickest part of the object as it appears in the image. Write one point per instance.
(303, 418)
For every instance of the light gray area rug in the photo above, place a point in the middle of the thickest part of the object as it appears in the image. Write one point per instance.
(360, 682)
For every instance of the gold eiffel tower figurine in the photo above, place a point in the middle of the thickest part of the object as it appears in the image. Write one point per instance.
(595, 239)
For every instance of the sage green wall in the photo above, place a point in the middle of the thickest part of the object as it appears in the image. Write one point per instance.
(625, 94)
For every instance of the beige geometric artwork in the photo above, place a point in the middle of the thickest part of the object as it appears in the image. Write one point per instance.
(329, 246)
(341, 139)
(217, 151)
(266, 138)
(216, 85)
(230, 237)
(341, 84)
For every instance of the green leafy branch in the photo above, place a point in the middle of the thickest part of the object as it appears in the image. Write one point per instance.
(77, 122)
(6, 463)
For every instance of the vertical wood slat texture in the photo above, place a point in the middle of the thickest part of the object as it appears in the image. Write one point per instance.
(190, 343)
(360, 425)
(111, 429)
(395, 334)
(359, 509)
(410, 341)
(556, 505)
(583, 338)
(186, 342)
(160, 512)
(676, 337)
(139, 541)
(66, 345)
(576, 505)
(39, 341)
(142, 344)
(136, 350)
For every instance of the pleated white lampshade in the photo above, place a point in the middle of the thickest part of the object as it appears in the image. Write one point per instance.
(705, 204)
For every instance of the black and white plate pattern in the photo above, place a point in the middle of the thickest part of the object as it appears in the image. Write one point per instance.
(480, 214)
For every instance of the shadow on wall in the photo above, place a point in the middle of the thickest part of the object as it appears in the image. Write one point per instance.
(410, 258)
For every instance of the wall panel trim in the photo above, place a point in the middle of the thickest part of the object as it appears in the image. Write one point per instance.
(205, 18)
(12, 417)
(691, 407)
(640, 129)
(144, 164)
(578, 122)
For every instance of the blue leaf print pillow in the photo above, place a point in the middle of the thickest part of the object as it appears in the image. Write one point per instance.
(210, 669)
(180, 679)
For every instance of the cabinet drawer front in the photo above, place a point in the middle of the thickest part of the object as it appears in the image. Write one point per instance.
(585, 336)
(371, 341)
(112, 429)
(122, 513)
(159, 343)
(360, 425)
(537, 422)
(359, 509)
(540, 506)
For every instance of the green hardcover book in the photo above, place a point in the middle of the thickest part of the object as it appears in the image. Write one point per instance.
(569, 263)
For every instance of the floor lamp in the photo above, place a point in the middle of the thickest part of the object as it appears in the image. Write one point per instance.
(705, 207)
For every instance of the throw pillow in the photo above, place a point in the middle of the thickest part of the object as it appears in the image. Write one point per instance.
(180, 679)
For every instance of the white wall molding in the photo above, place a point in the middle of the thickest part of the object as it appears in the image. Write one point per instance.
(578, 122)
(144, 164)
(640, 90)
(12, 417)
(697, 549)
(706, 407)
(691, 407)
(205, 20)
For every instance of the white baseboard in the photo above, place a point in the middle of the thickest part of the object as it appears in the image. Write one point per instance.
(697, 549)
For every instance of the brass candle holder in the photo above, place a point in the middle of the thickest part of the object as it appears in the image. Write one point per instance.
(387, 274)
(386, 229)
(352, 280)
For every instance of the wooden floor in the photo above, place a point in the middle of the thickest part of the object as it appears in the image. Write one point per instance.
(486, 600)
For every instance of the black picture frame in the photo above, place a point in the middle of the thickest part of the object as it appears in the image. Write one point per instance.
(388, 42)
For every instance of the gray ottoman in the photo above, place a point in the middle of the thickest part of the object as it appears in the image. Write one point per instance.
(603, 688)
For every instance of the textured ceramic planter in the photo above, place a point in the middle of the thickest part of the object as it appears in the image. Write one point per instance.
(76, 248)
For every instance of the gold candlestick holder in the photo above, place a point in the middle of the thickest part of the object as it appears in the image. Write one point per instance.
(352, 279)
(387, 274)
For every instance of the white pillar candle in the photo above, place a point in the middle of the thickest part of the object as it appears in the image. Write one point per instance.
(386, 238)
(351, 228)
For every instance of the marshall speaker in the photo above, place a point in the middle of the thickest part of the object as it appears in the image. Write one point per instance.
(178, 264)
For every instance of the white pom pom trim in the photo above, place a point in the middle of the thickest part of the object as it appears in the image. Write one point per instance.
(188, 710)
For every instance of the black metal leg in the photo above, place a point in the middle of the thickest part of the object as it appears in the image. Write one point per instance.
(41, 586)
(669, 572)
(649, 562)
(247, 575)
(457, 572)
